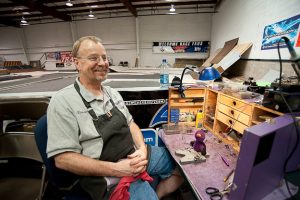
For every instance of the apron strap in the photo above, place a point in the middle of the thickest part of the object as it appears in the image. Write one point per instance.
(87, 105)
(95, 118)
(110, 99)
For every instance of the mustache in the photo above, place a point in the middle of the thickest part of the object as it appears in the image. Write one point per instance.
(100, 69)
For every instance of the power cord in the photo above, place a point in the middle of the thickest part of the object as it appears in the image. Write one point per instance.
(181, 88)
(292, 115)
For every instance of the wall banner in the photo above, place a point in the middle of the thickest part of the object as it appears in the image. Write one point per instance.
(298, 39)
(272, 33)
(62, 58)
(66, 57)
(53, 56)
(181, 47)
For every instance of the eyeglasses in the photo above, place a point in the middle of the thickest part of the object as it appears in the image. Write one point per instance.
(94, 58)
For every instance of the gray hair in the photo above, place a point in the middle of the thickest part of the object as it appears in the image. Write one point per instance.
(77, 44)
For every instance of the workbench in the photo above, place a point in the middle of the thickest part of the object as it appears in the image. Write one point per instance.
(210, 173)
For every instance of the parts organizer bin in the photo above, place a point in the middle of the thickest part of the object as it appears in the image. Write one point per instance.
(177, 129)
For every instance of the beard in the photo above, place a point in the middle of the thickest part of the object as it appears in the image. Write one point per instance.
(101, 74)
(101, 78)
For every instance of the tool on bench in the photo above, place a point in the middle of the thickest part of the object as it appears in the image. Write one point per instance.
(216, 194)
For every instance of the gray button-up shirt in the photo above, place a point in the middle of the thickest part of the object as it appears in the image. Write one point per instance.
(70, 126)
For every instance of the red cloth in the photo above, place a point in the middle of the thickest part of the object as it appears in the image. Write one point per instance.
(121, 191)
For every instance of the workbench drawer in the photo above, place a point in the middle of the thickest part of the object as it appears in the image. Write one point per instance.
(235, 114)
(238, 126)
(236, 104)
(189, 93)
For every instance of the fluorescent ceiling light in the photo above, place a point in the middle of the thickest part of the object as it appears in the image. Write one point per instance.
(94, 6)
(91, 15)
(18, 8)
(23, 20)
(172, 9)
(69, 3)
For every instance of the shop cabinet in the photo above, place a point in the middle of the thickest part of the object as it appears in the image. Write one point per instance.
(210, 109)
(225, 116)
(262, 114)
(234, 115)
(184, 110)
(235, 103)
(218, 132)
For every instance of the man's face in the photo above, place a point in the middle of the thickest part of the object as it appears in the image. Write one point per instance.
(92, 62)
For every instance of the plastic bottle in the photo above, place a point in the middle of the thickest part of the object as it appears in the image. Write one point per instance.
(164, 74)
(199, 119)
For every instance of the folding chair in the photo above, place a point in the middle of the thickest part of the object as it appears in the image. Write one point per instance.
(62, 180)
(20, 145)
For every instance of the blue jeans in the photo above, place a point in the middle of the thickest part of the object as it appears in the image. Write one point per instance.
(160, 165)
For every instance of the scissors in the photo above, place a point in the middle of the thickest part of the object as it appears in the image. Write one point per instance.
(215, 194)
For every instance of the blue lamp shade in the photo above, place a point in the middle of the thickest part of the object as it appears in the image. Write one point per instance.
(209, 73)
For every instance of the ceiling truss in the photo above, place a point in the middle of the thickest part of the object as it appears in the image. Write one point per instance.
(47, 11)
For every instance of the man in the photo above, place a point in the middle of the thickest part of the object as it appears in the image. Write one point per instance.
(92, 134)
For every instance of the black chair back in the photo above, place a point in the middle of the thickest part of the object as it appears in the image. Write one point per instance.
(59, 178)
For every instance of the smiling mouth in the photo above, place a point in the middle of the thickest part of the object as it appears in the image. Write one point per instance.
(100, 70)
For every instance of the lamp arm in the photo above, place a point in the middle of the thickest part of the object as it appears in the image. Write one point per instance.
(294, 57)
(180, 88)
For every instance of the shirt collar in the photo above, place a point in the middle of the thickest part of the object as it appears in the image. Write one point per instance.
(87, 95)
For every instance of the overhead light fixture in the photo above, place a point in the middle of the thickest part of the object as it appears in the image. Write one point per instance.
(91, 15)
(18, 8)
(23, 22)
(172, 9)
(69, 3)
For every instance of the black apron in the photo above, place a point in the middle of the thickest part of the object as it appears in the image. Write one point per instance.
(117, 144)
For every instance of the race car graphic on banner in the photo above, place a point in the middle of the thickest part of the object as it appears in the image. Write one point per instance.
(273, 32)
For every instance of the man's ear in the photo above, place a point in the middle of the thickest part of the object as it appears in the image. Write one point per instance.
(76, 62)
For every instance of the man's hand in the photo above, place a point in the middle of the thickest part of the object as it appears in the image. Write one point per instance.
(138, 160)
(139, 157)
(124, 168)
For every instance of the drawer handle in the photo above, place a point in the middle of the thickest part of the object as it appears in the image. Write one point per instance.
(234, 103)
(230, 121)
(232, 112)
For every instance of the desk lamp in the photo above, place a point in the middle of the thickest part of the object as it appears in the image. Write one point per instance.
(181, 88)
(294, 57)
(209, 73)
